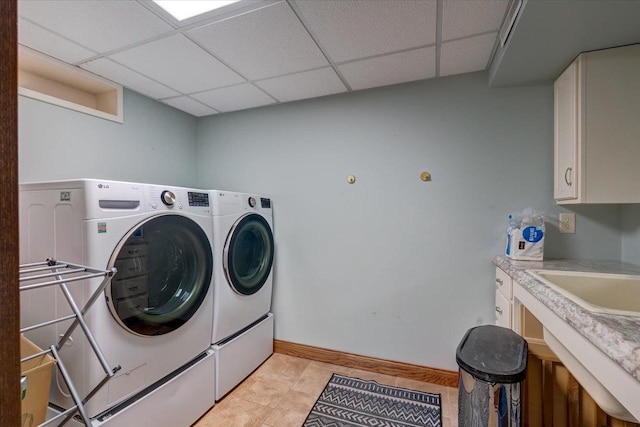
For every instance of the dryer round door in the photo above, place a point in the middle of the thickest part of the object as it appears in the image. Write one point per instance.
(248, 254)
(164, 273)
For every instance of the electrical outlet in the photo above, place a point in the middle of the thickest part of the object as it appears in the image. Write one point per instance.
(568, 223)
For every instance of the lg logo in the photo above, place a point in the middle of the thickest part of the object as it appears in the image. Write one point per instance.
(103, 185)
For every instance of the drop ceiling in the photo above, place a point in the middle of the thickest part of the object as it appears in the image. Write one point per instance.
(548, 35)
(263, 52)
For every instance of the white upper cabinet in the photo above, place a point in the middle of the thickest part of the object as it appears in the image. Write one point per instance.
(597, 128)
(565, 134)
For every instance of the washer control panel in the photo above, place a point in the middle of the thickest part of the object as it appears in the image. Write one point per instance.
(198, 199)
(177, 198)
(168, 197)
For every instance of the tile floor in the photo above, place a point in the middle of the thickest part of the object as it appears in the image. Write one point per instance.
(282, 391)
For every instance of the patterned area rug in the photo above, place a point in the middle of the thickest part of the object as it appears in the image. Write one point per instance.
(351, 402)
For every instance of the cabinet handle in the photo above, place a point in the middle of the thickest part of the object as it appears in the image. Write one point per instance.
(567, 176)
(499, 310)
(499, 282)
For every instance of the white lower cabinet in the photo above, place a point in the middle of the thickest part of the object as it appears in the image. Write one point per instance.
(504, 300)
(503, 311)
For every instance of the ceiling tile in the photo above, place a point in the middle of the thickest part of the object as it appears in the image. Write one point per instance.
(391, 69)
(179, 63)
(99, 25)
(308, 84)
(350, 29)
(234, 98)
(264, 43)
(190, 106)
(466, 55)
(461, 18)
(126, 77)
(51, 44)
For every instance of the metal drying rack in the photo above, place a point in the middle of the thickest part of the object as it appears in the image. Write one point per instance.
(50, 273)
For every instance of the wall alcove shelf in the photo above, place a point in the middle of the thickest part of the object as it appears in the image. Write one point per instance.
(49, 80)
(57, 273)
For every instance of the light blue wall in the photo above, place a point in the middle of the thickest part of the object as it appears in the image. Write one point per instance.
(156, 143)
(631, 233)
(390, 266)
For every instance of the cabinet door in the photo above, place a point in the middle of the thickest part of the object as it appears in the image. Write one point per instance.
(566, 134)
(503, 310)
(504, 283)
(612, 125)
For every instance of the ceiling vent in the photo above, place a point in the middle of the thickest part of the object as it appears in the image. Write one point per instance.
(509, 21)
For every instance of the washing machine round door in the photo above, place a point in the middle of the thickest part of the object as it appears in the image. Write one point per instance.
(248, 254)
(164, 272)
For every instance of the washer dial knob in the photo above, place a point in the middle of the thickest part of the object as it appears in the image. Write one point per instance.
(252, 202)
(168, 198)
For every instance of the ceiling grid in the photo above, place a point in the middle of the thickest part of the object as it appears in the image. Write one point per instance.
(438, 35)
(263, 52)
(315, 39)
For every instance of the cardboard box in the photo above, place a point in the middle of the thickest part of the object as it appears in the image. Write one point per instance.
(37, 371)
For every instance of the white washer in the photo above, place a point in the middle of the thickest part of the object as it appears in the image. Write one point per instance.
(243, 250)
(156, 315)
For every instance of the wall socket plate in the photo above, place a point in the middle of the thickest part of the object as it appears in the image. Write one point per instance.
(568, 223)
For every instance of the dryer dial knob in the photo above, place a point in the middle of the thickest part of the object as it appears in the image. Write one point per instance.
(252, 202)
(168, 198)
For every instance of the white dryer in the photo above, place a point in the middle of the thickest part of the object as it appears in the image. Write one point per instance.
(243, 279)
(156, 315)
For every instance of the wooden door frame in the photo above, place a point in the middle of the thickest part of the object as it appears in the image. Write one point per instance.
(10, 413)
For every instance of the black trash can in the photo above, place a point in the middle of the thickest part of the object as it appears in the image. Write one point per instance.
(493, 363)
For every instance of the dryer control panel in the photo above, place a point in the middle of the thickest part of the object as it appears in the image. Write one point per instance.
(265, 203)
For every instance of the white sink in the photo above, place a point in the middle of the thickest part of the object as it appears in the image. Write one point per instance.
(597, 292)
(600, 293)
(598, 392)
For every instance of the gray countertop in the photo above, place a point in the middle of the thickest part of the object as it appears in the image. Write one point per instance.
(617, 336)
